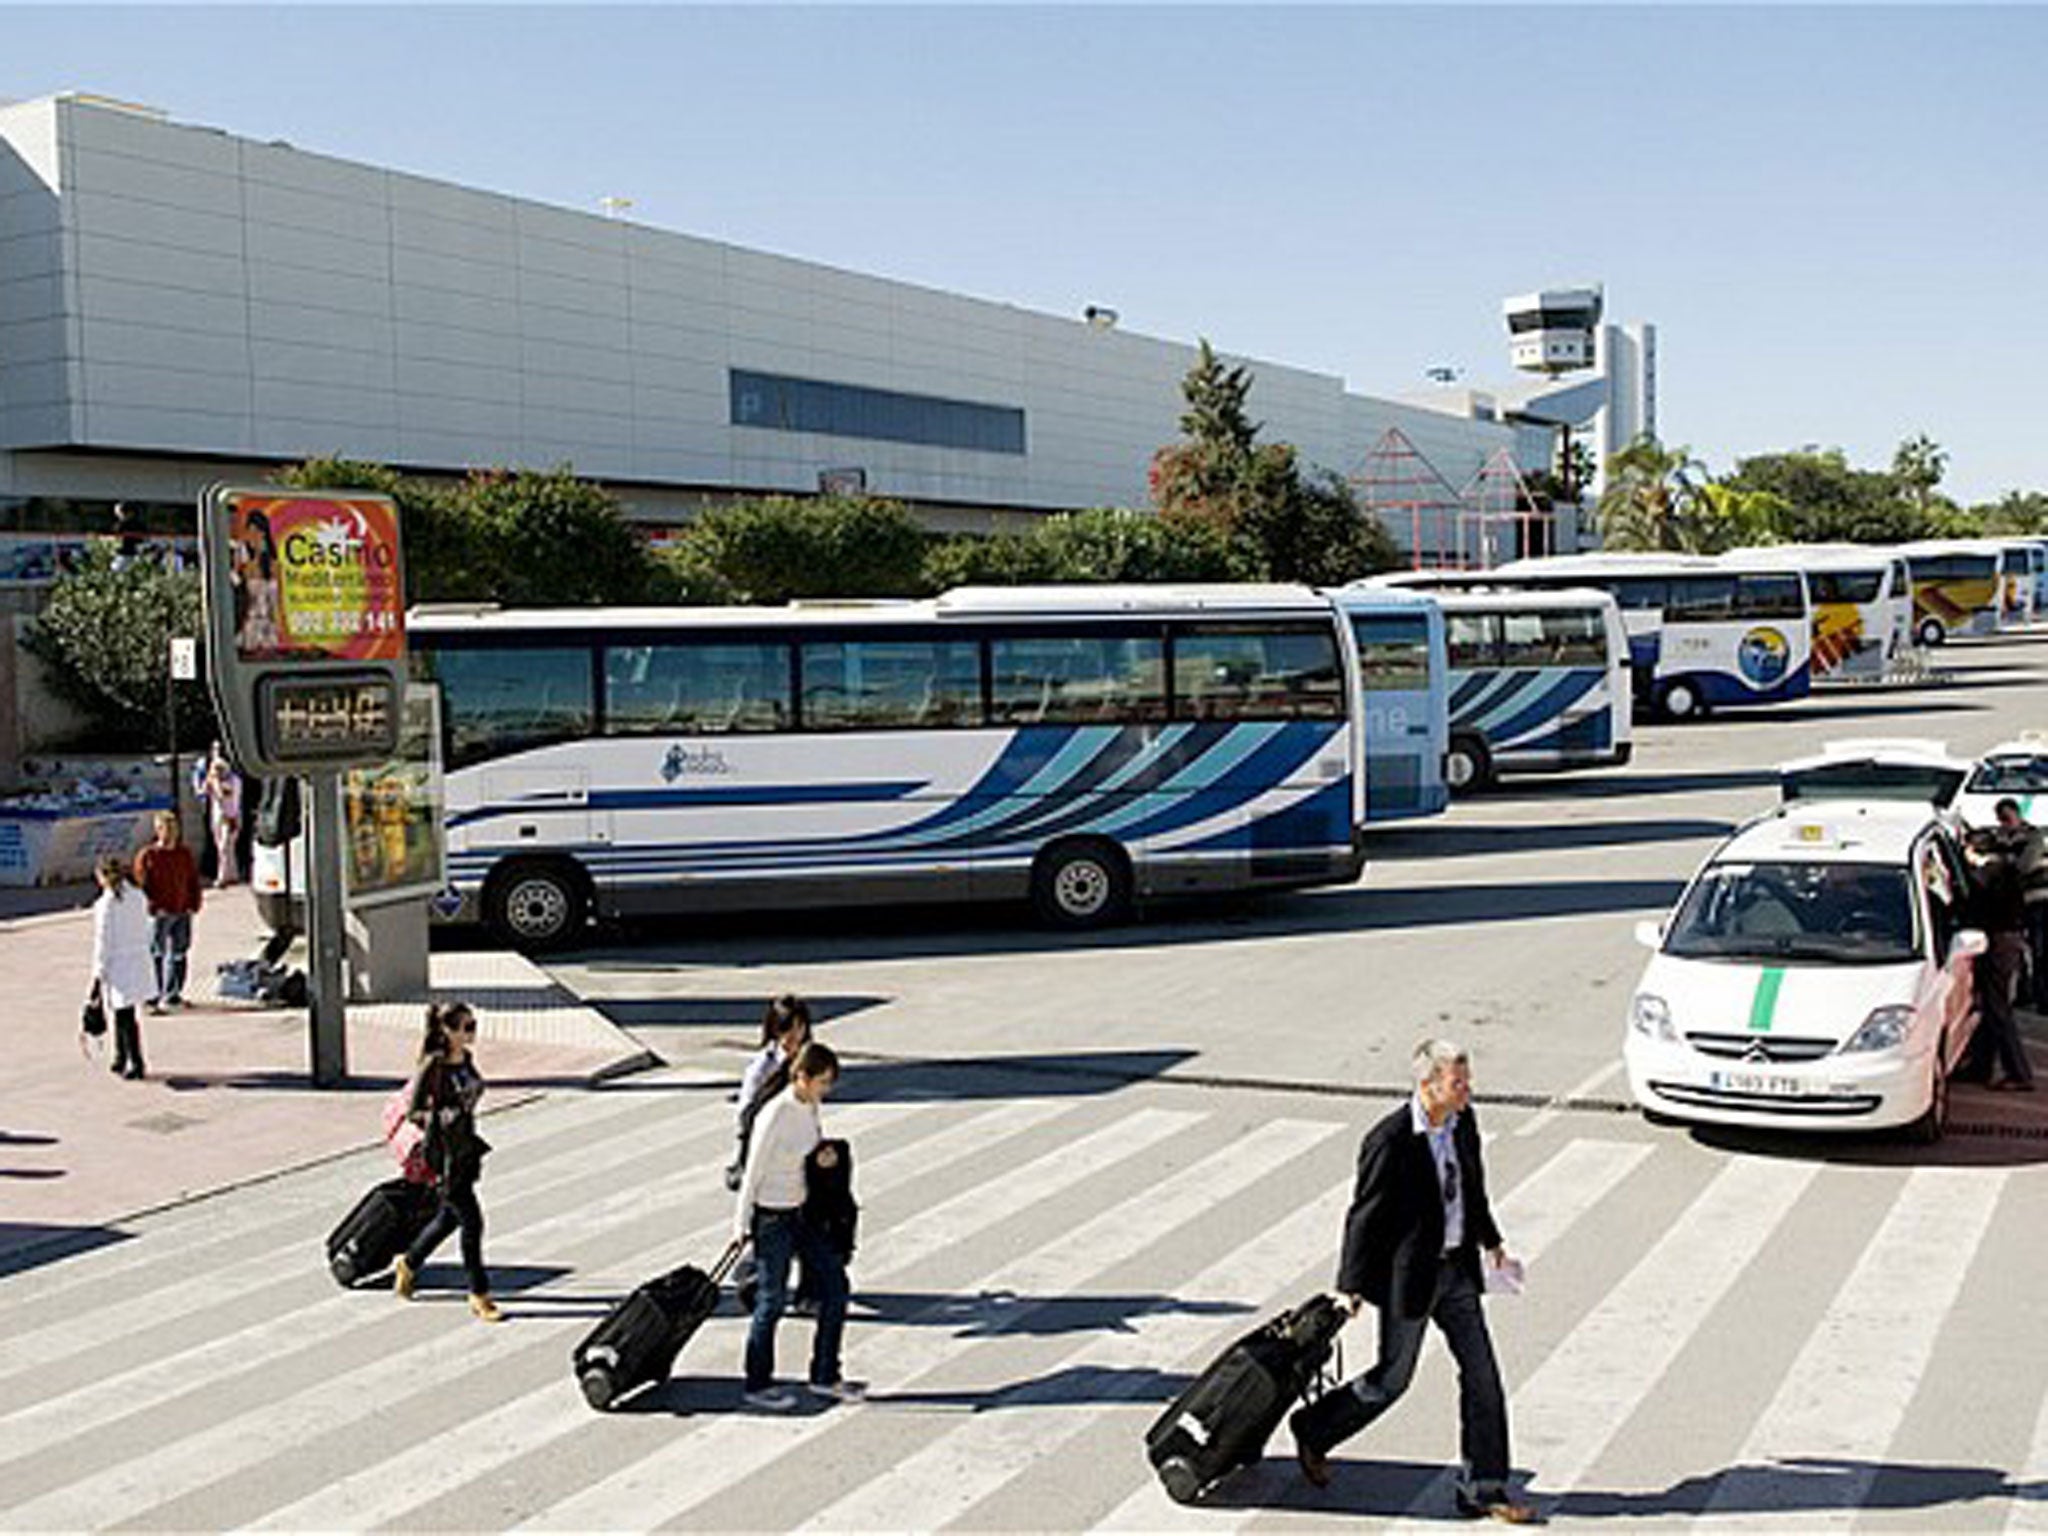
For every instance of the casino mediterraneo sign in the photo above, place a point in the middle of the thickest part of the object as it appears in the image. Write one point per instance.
(305, 612)
(316, 577)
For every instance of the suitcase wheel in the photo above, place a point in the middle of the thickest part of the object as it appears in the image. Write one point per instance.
(344, 1267)
(1183, 1483)
(598, 1388)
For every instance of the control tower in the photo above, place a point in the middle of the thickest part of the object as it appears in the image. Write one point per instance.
(1554, 330)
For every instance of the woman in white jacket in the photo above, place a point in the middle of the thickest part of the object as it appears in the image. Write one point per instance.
(122, 972)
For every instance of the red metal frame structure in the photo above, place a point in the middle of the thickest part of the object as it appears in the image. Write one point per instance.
(1397, 484)
(1501, 521)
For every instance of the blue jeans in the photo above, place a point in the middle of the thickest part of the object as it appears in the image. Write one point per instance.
(779, 1236)
(170, 937)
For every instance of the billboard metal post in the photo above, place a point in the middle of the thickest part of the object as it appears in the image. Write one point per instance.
(326, 937)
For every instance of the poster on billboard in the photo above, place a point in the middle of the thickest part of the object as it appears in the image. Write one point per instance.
(392, 811)
(315, 578)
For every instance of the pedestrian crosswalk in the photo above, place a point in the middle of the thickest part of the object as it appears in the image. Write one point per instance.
(1705, 1327)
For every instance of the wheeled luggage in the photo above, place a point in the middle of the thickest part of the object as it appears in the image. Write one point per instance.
(640, 1338)
(377, 1231)
(1224, 1418)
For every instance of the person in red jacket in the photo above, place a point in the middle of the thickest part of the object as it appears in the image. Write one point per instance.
(169, 877)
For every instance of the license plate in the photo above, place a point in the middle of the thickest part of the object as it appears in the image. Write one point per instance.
(1772, 1083)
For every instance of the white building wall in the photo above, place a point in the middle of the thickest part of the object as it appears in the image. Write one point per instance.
(189, 293)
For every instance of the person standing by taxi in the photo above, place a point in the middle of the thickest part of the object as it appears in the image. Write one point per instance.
(2023, 841)
(1999, 908)
(1413, 1239)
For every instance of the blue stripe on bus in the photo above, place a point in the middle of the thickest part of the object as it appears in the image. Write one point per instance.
(1317, 821)
(673, 799)
(1553, 695)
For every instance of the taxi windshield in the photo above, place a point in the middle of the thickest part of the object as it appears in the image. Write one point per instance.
(2010, 776)
(1855, 914)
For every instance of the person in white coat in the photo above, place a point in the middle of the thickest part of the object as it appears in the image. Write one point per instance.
(123, 974)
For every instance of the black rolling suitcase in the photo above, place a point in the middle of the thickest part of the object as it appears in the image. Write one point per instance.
(640, 1338)
(377, 1231)
(1224, 1418)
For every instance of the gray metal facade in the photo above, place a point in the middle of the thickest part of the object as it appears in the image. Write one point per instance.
(178, 303)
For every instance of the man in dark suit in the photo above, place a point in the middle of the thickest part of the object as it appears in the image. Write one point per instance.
(1413, 1237)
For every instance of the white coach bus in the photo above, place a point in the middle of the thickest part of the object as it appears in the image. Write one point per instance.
(1086, 747)
(1862, 605)
(1702, 635)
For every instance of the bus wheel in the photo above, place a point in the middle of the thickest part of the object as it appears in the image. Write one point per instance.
(1081, 884)
(1680, 701)
(1468, 766)
(1931, 632)
(536, 904)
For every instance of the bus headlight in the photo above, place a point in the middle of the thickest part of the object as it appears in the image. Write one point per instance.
(1883, 1030)
(1649, 1014)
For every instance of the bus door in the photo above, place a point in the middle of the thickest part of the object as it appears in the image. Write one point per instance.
(1403, 705)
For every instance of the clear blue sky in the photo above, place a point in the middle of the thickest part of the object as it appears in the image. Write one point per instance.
(1835, 216)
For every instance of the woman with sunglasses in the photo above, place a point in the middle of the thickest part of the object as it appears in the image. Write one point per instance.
(445, 1090)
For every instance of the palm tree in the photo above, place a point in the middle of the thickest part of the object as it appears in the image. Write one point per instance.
(1918, 466)
(1652, 499)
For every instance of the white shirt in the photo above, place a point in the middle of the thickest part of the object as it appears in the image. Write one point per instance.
(784, 1135)
(1444, 1153)
(120, 948)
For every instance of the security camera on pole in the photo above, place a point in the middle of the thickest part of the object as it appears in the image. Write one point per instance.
(305, 623)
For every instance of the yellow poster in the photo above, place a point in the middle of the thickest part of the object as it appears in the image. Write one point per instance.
(393, 812)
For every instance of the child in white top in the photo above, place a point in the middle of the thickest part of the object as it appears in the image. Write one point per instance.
(769, 1209)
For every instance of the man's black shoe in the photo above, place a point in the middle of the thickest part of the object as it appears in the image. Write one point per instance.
(1314, 1464)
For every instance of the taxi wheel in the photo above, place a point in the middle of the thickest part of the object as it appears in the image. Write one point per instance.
(1927, 1130)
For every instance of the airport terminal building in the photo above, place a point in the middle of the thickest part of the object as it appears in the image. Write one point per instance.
(180, 305)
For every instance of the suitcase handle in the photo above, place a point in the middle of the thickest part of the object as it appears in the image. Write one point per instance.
(727, 1259)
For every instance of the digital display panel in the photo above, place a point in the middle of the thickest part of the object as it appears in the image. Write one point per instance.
(336, 718)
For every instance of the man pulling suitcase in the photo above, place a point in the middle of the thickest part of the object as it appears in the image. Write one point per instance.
(1413, 1237)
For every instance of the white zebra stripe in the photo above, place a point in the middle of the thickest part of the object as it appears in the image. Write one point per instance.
(129, 1488)
(708, 1459)
(164, 1239)
(1847, 1393)
(50, 1422)
(1534, 1215)
(102, 1328)
(380, 1494)
(955, 1472)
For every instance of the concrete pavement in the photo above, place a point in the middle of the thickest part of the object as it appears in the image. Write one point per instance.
(228, 1100)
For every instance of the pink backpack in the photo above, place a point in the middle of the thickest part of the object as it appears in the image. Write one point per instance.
(408, 1143)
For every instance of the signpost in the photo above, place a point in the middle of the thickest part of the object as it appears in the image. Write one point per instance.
(305, 625)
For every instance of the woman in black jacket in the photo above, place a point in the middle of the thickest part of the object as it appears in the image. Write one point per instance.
(445, 1090)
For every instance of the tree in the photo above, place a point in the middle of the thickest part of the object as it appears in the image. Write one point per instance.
(1651, 499)
(1825, 501)
(1295, 525)
(105, 635)
(783, 547)
(549, 539)
(2020, 512)
(1105, 544)
(1918, 466)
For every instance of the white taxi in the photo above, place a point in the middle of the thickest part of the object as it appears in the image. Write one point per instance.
(1877, 768)
(1816, 973)
(2014, 770)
